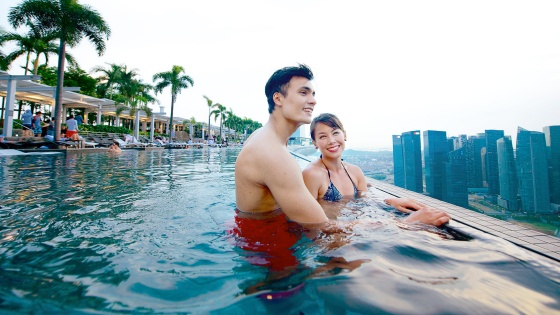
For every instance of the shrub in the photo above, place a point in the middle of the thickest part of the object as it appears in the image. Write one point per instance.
(103, 128)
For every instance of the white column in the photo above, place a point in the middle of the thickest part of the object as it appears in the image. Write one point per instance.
(99, 115)
(152, 125)
(85, 116)
(9, 110)
(137, 124)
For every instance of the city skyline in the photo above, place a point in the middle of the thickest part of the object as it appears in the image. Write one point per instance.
(522, 179)
(381, 67)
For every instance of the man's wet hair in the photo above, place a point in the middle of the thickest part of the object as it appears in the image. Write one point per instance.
(327, 119)
(279, 80)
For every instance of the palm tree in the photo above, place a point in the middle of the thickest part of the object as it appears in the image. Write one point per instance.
(211, 107)
(230, 120)
(35, 41)
(219, 112)
(4, 64)
(71, 22)
(26, 44)
(177, 80)
(49, 48)
(110, 76)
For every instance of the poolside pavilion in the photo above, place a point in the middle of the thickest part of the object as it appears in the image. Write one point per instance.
(19, 87)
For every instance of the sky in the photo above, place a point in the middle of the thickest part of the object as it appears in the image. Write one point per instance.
(383, 67)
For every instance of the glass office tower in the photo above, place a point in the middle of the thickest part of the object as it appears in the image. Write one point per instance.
(552, 138)
(492, 172)
(435, 157)
(456, 191)
(475, 144)
(407, 161)
(532, 171)
(508, 175)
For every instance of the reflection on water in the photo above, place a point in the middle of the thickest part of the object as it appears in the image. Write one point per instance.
(154, 232)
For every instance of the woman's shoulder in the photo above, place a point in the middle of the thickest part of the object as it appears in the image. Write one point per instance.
(313, 168)
(352, 168)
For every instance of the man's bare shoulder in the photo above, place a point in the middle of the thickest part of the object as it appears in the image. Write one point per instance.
(261, 146)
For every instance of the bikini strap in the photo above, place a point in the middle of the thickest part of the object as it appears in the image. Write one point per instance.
(328, 172)
(355, 188)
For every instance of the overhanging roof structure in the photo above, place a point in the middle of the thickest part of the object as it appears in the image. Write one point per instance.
(40, 93)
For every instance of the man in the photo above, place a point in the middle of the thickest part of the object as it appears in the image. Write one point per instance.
(27, 121)
(79, 119)
(267, 177)
(37, 124)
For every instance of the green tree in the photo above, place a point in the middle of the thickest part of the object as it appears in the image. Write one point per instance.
(73, 77)
(177, 80)
(110, 76)
(70, 21)
(219, 112)
(211, 107)
(26, 44)
(34, 42)
(4, 64)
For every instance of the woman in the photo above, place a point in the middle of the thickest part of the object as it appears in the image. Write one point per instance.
(71, 126)
(329, 179)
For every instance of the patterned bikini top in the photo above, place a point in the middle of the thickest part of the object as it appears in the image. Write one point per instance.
(332, 193)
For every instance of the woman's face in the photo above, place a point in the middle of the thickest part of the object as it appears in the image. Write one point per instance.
(330, 141)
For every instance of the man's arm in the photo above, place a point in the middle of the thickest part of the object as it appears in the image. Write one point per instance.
(312, 180)
(285, 181)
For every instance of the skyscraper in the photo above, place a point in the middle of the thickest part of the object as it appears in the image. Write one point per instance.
(455, 187)
(398, 163)
(492, 173)
(474, 145)
(407, 161)
(532, 171)
(552, 138)
(507, 174)
(435, 157)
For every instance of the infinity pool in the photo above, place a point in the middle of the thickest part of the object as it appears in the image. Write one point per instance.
(157, 232)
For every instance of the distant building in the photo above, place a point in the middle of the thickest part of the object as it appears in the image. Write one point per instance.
(456, 191)
(301, 133)
(474, 146)
(435, 157)
(407, 161)
(492, 173)
(532, 171)
(552, 138)
(507, 175)
(398, 161)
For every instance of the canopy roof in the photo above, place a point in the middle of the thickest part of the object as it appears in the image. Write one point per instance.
(40, 93)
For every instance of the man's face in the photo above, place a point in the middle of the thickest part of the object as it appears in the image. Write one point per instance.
(299, 101)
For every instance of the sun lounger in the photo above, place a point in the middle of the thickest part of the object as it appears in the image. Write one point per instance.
(102, 141)
(123, 144)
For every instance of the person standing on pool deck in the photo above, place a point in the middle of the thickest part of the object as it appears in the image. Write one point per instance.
(71, 126)
(267, 177)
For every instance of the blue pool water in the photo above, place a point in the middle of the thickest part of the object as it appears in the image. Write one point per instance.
(157, 232)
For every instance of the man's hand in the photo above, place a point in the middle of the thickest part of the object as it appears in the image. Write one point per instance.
(428, 215)
(404, 204)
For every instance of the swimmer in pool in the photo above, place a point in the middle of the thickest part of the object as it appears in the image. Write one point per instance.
(267, 177)
(329, 179)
